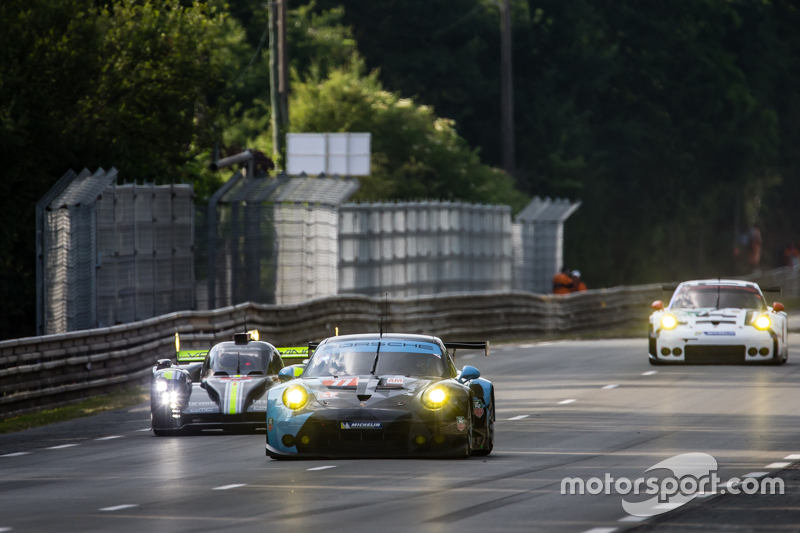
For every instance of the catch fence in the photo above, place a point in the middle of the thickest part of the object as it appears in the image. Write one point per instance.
(416, 248)
(111, 254)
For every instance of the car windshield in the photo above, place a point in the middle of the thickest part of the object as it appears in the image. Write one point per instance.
(238, 362)
(397, 358)
(706, 296)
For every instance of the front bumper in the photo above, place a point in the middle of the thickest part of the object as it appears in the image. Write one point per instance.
(342, 433)
(738, 345)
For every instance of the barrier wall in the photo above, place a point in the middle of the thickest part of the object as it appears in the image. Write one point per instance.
(45, 371)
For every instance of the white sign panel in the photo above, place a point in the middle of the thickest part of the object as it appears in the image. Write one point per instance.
(346, 154)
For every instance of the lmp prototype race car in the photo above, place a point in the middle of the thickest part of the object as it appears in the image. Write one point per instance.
(221, 388)
(387, 395)
(718, 321)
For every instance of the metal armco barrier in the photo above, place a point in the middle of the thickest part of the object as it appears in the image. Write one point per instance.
(38, 372)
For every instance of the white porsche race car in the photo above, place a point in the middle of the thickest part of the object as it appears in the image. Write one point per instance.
(718, 321)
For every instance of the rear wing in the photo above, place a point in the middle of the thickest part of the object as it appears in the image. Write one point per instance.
(191, 356)
(468, 346)
(294, 354)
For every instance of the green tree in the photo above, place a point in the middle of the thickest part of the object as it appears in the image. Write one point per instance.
(415, 154)
(82, 86)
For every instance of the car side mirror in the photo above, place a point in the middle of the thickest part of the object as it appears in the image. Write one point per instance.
(658, 305)
(778, 307)
(286, 374)
(203, 383)
(468, 373)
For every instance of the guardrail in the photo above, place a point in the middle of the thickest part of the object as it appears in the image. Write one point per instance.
(47, 371)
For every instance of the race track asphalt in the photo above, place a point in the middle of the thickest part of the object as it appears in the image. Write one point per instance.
(108, 473)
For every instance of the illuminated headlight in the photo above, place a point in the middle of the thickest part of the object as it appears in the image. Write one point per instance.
(763, 322)
(295, 397)
(161, 385)
(669, 322)
(169, 397)
(435, 397)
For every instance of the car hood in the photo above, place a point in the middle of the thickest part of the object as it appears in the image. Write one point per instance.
(366, 391)
(714, 318)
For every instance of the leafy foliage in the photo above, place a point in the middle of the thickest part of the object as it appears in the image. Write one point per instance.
(415, 154)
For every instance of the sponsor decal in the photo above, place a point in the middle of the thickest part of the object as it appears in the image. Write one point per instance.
(294, 350)
(361, 425)
(395, 381)
(259, 408)
(477, 408)
(461, 423)
(327, 395)
(202, 410)
(341, 382)
(269, 424)
(721, 333)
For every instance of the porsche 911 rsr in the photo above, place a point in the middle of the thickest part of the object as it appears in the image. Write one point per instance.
(221, 388)
(718, 321)
(388, 395)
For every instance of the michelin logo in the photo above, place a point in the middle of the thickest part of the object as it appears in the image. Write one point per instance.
(361, 425)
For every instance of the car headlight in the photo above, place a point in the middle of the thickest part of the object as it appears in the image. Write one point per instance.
(435, 397)
(669, 322)
(169, 397)
(763, 322)
(161, 385)
(295, 397)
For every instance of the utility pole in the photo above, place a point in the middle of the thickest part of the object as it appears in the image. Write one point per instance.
(506, 90)
(278, 80)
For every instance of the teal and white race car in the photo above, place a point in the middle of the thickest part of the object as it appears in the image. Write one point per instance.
(718, 322)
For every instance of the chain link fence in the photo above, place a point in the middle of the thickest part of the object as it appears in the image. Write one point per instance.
(272, 240)
(112, 254)
(409, 249)
(538, 237)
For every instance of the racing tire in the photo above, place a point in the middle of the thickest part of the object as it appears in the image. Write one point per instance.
(483, 452)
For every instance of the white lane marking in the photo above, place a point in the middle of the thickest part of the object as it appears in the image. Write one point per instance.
(631, 518)
(601, 530)
(520, 417)
(321, 468)
(612, 386)
(146, 429)
(565, 402)
(15, 454)
(671, 505)
(226, 487)
(4, 529)
(755, 474)
(793, 456)
(61, 447)
(119, 507)
(650, 372)
(777, 465)
(526, 345)
(111, 437)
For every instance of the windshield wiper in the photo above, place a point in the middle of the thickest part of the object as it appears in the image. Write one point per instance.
(375, 361)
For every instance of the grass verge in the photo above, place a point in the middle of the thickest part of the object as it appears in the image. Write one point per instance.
(90, 407)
